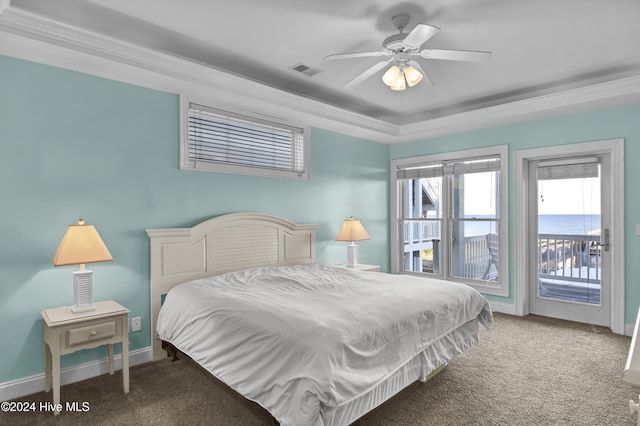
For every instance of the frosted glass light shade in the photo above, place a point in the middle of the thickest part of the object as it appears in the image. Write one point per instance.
(398, 78)
(412, 75)
(400, 83)
(389, 78)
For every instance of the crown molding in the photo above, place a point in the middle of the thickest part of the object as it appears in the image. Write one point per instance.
(171, 72)
(617, 92)
(36, 38)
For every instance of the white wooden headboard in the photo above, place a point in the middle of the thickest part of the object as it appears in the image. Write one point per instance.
(222, 244)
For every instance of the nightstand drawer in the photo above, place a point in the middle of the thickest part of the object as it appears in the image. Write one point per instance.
(98, 331)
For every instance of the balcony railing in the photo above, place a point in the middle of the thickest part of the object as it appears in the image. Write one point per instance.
(569, 266)
(477, 264)
(569, 257)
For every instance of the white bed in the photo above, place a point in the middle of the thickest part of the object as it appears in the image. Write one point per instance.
(314, 344)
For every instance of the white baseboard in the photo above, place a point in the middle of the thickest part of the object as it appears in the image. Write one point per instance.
(503, 308)
(506, 308)
(29, 385)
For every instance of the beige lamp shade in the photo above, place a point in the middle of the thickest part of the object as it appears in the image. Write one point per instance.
(352, 230)
(81, 244)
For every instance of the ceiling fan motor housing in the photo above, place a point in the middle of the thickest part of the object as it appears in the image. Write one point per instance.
(400, 21)
(394, 42)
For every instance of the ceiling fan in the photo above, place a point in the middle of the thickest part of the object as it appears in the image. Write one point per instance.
(401, 50)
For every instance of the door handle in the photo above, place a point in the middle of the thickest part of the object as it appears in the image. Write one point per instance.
(604, 242)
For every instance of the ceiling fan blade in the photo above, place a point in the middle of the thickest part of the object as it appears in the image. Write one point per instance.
(355, 55)
(420, 34)
(456, 55)
(368, 73)
(425, 77)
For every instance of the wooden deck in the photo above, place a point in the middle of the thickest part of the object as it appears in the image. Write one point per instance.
(582, 292)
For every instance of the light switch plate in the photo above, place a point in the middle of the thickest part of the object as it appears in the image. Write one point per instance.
(638, 229)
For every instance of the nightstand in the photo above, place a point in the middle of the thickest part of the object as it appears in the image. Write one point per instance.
(66, 332)
(362, 267)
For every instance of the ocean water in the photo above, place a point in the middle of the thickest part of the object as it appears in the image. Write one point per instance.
(573, 224)
(568, 223)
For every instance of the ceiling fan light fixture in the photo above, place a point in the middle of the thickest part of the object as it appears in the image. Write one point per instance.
(400, 83)
(412, 75)
(400, 50)
(398, 78)
(391, 76)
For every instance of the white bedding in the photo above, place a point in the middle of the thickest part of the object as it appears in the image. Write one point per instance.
(297, 339)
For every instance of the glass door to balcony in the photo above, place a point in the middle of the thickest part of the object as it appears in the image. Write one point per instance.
(569, 239)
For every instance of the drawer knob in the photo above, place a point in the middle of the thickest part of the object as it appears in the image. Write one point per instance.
(93, 333)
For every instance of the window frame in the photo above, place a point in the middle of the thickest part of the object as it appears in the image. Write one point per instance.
(187, 163)
(499, 287)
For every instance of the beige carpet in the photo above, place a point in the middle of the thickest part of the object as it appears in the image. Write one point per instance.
(526, 371)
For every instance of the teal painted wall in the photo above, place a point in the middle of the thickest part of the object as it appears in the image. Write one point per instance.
(74, 145)
(611, 123)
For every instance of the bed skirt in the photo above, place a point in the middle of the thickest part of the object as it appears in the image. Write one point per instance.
(419, 367)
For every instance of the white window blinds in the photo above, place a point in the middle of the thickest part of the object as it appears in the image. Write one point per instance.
(217, 137)
(576, 168)
(448, 168)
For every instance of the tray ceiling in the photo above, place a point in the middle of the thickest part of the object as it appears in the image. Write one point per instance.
(548, 57)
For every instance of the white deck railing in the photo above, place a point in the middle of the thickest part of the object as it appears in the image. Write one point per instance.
(569, 257)
(561, 257)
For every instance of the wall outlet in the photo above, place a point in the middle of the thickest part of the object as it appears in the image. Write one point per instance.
(136, 324)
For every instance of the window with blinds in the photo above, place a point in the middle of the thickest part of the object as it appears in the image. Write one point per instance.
(572, 168)
(225, 142)
(451, 167)
(448, 217)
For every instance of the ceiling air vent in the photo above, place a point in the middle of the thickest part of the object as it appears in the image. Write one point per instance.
(305, 69)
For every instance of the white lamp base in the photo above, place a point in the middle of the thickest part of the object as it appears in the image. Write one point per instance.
(353, 254)
(83, 291)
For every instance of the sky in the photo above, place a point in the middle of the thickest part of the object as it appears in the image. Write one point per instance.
(566, 196)
(569, 196)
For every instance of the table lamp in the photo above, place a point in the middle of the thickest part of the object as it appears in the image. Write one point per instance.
(352, 230)
(82, 244)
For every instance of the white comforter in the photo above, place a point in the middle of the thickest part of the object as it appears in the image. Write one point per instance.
(297, 337)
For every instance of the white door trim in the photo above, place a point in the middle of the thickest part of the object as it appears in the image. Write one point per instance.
(613, 147)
